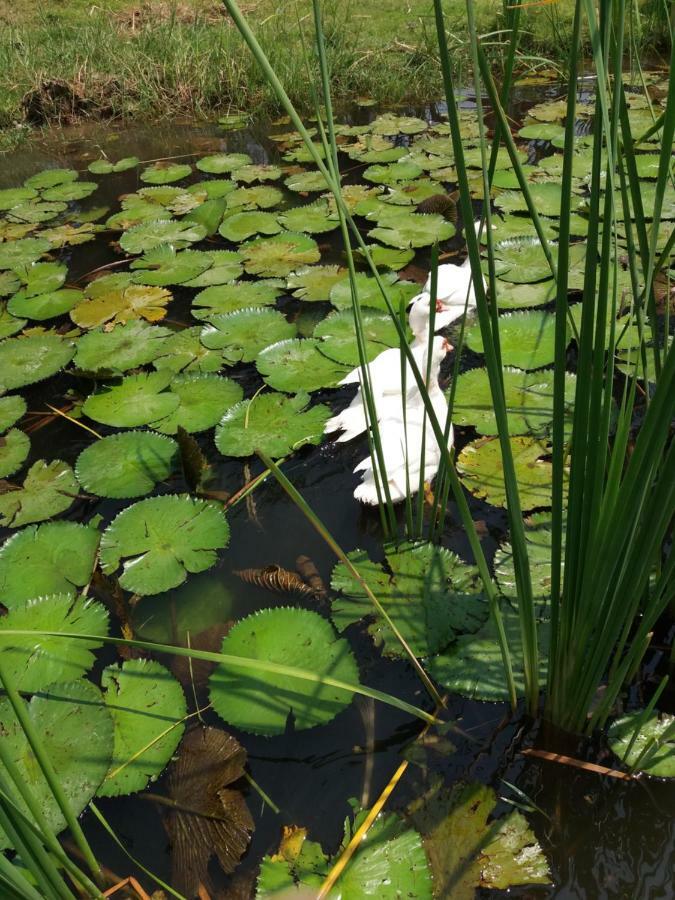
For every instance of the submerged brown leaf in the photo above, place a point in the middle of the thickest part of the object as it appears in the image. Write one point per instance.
(274, 578)
(193, 462)
(195, 672)
(310, 574)
(209, 819)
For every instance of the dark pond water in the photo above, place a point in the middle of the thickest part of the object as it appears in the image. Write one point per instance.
(604, 838)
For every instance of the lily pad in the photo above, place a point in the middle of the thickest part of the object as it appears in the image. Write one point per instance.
(473, 665)
(69, 191)
(392, 173)
(163, 266)
(163, 173)
(148, 707)
(241, 335)
(260, 196)
(271, 422)
(541, 132)
(226, 266)
(9, 324)
(244, 225)
(260, 701)
(104, 166)
(389, 257)
(49, 489)
(223, 163)
(529, 401)
(412, 230)
(37, 660)
(53, 558)
(10, 197)
(12, 408)
(23, 252)
(124, 347)
(338, 336)
(33, 357)
(184, 352)
(653, 750)
(522, 260)
(159, 540)
(278, 256)
(14, 448)
(9, 283)
(480, 467)
(44, 306)
(521, 296)
(126, 465)
(306, 182)
(250, 173)
(468, 849)
(132, 401)
(61, 716)
(299, 365)
(121, 305)
(36, 211)
(429, 593)
(314, 218)
(225, 298)
(538, 539)
(50, 177)
(369, 292)
(148, 235)
(313, 283)
(527, 339)
(202, 401)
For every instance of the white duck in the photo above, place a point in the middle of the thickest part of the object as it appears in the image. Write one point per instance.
(402, 446)
(455, 290)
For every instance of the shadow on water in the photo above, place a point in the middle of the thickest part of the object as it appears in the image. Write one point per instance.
(604, 838)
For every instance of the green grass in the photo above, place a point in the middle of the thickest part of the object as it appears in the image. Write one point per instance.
(171, 59)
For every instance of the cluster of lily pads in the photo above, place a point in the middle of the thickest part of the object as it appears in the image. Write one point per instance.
(228, 274)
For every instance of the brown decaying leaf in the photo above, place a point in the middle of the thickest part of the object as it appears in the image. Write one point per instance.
(193, 461)
(212, 819)
(274, 578)
(310, 574)
(196, 671)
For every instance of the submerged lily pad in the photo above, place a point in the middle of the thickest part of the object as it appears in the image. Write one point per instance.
(527, 339)
(148, 235)
(430, 594)
(260, 701)
(14, 448)
(124, 347)
(299, 365)
(271, 422)
(159, 540)
(241, 335)
(37, 660)
(653, 749)
(61, 715)
(126, 465)
(49, 489)
(244, 225)
(202, 401)
(338, 336)
(278, 256)
(480, 467)
(33, 357)
(148, 707)
(53, 558)
(132, 401)
(163, 173)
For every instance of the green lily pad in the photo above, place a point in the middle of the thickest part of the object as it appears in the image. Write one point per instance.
(12, 408)
(541, 132)
(653, 750)
(49, 489)
(148, 707)
(223, 163)
(208, 214)
(389, 864)
(214, 188)
(259, 701)
(148, 235)
(473, 665)
(480, 467)
(299, 365)
(529, 401)
(203, 400)
(36, 211)
(429, 593)
(260, 196)
(163, 173)
(126, 347)
(9, 283)
(538, 539)
(522, 260)
(338, 336)
(546, 197)
(527, 339)
(9, 324)
(468, 849)
(23, 252)
(184, 352)
(250, 173)
(225, 298)
(163, 266)
(413, 230)
(14, 448)
(369, 293)
(121, 305)
(70, 191)
(234, 122)
(243, 225)
(104, 166)
(313, 283)
(392, 173)
(226, 266)
(126, 465)
(241, 335)
(314, 218)
(50, 177)
(33, 357)
(44, 306)
(53, 558)
(389, 257)
(40, 278)
(137, 214)
(61, 716)
(35, 661)
(306, 182)
(512, 295)
(132, 401)
(278, 256)
(159, 540)
(10, 197)
(271, 422)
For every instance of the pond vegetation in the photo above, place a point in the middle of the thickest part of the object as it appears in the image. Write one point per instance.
(189, 586)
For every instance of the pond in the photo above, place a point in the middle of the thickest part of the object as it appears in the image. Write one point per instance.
(85, 380)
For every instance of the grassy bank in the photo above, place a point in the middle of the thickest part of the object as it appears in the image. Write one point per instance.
(65, 60)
